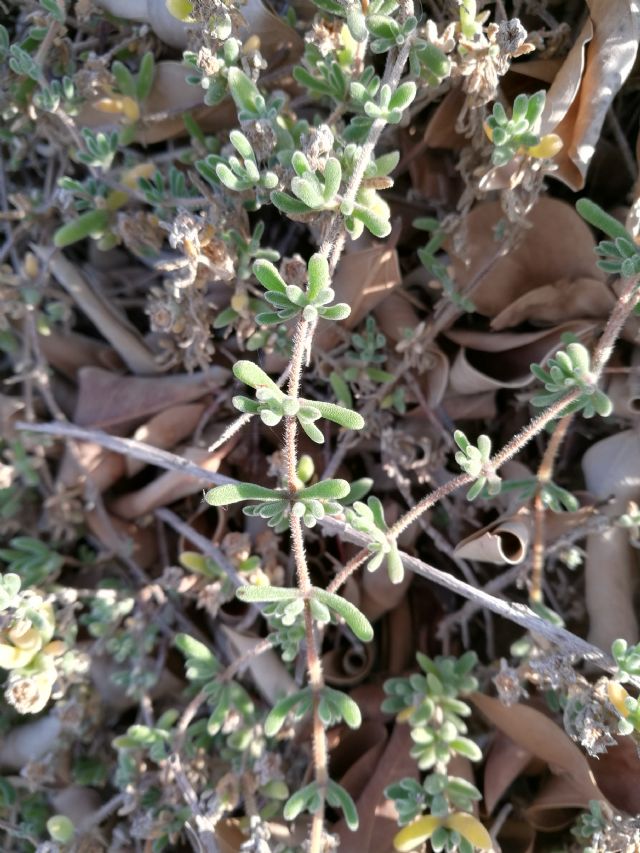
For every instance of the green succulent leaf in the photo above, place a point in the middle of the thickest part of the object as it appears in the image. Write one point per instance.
(232, 493)
(340, 415)
(254, 376)
(257, 593)
(325, 490)
(356, 620)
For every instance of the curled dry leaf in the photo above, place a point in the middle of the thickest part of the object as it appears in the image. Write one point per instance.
(165, 430)
(612, 469)
(516, 836)
(347, 666)
(109, 400)
(577, 114)
(616, 773)
(481, 364)
(557, 247)
(504, 542)
(556, 805)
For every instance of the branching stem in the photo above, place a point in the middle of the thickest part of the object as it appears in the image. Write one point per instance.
(627, 300)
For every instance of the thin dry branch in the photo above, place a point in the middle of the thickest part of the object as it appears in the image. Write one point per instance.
(518, 613)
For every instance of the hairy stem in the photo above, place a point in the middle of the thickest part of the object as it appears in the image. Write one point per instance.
(331, 249)
(544, 476)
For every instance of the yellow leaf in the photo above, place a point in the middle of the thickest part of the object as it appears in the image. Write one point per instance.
(28, 640)
(470, 828)
(416, 833)
(617, 694)
(116, 199)
(13, 658)
(129, 177)
(193, 562)
(180, 9)
(54, 648)
(119, 104)
(548, 147)
(405, 714)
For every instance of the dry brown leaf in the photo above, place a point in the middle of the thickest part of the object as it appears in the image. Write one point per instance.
(504, 542)
(376, 832)
(116, 534)
(71, 351)
(379, 595)
(123, 337)
(558, 302)
(559, 246)
(355, 756)
(108, 400)
(395, 316)
(564, 88)
(460, 407)
(556, 805)
(612, 469)
(170, 486)
(165, 430)
(610, 56)
(270, 675)
(544, 739)
(516, 836)
(363, 279)
(616, 773)
(102, 467)
(441, 128)
(506, 761)
(230, 838)
(481, 364)
(171, 95)
(397, 649)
